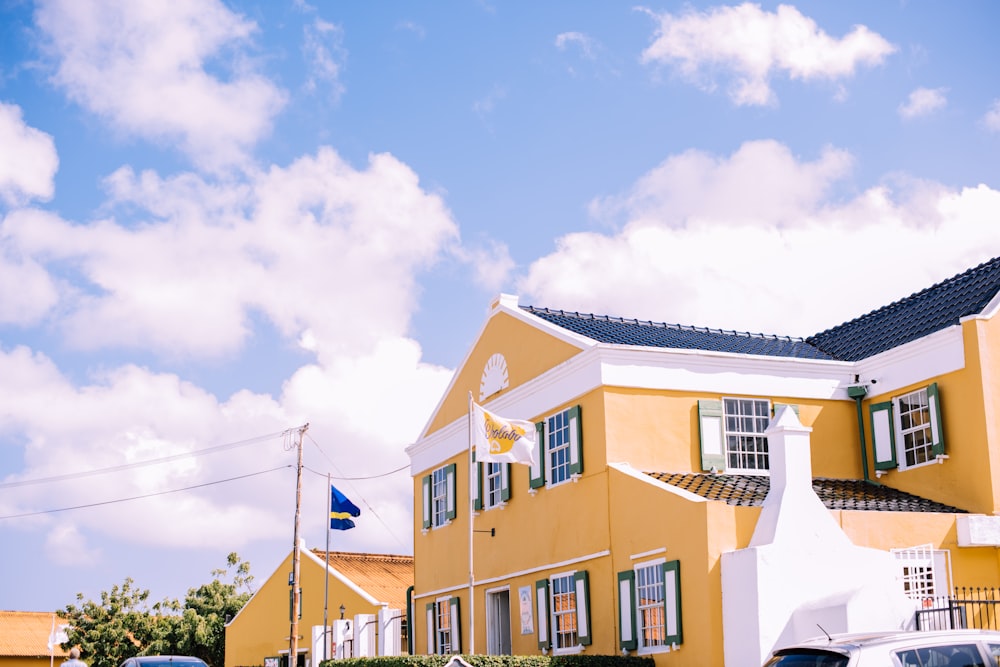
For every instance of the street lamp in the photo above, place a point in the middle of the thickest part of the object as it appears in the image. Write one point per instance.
(342, 610)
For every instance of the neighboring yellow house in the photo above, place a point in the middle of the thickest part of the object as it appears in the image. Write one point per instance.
(25, 638)
(645, 511)
(366, 601)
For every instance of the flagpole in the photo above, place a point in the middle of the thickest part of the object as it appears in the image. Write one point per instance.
(326, 573)
(472, 509)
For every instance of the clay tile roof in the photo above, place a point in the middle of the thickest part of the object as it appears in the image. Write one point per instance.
(620, 331)
(836, 494)
(384, 577)
(918, 315)
(929, 310)
(26, 634)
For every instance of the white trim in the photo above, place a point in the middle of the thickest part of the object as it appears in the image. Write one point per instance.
(441, 591)
(651, 552)
(627, 469)
(542, 568)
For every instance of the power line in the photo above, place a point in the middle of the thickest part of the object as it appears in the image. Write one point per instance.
(139, 464)
(148, 495)
(356, 479)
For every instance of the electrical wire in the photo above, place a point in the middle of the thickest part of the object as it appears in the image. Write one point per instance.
(355, 479)
(148, 495)
(140, 464)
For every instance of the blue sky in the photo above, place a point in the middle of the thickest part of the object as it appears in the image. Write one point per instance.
(223, 220)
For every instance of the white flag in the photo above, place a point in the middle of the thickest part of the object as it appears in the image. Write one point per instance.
(502, 440)
(58, 635)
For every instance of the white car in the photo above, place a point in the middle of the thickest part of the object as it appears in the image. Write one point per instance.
(937, 648)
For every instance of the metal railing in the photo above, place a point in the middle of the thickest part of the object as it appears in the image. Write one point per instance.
(969, 607)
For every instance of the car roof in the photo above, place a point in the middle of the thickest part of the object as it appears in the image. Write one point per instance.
(856, 639)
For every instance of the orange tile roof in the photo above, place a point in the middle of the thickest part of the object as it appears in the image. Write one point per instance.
(26, 634)
(384, 577)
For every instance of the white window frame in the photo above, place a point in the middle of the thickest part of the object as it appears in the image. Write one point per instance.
(560, 436)
(666, 601)
(925, 573)
(891, 442)
(438, 497)
(444, 632)
(732, 430)
(495, 484)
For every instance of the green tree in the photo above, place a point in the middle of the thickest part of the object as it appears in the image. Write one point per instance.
(199, 629)
(120, 625)
(123, 624)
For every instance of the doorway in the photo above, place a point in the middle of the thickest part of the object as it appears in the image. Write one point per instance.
(498, 622)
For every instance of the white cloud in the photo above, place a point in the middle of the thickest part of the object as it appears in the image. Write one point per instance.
(144, 67)
(806, 263)
(67, 547)
(754, 45)
(325, 56)
(992, 118)
(185, 282)
(28, 161)
(923, 102)
(583, 42)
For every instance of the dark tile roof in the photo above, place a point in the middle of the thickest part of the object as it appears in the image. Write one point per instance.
(929, 310)
(836, 494)
(932, 309)
(620, 331)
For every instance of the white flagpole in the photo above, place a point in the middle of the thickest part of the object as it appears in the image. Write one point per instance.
(326, 569)
(472, 509)
(52, 639)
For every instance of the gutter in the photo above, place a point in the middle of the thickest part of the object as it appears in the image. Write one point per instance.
(858, 393)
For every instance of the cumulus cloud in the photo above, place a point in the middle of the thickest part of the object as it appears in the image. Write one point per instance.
(28, 161)
(809, 261)
(752, 45)
(583, 43)
(144, 68)
(923, 102)
(208, 256)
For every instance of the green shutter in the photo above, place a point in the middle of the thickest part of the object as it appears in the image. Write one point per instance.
(575, 441)
(452, 498)
(883, 436)
(505, 482)
(542, 612)
(627, 638)
(478, 470)
(536, 477)
(456, 626)
(673, 632)
(430, 609)
(428, 513)
(937, 426)
(710, 433)
(582, 585)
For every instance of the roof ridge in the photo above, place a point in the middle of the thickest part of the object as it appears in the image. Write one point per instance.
(662, 325)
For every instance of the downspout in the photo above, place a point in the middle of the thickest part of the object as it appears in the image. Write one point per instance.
(858, 393)
(409, 620)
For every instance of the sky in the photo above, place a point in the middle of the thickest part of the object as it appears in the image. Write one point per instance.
(223, 221)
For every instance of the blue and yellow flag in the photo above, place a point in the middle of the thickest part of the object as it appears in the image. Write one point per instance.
(341, 510)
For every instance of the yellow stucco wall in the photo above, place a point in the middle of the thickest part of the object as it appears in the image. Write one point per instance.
(25, 661)
(261, 629)
(528, 351)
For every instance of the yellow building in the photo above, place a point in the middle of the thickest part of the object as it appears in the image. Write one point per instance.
(25, 638)
(365, 601)
(654, 467)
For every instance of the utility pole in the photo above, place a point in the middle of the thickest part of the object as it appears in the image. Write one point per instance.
(296, 594)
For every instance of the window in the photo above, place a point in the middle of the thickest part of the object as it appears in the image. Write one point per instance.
(439, 497)
(925, 573)
(732, 437)
(443, 629)
(746, 420)
(563, 612)
(649, 607)
(906, 431)
(561, 449)
(492, 484)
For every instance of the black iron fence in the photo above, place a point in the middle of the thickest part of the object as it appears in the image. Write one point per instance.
(967, 608)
